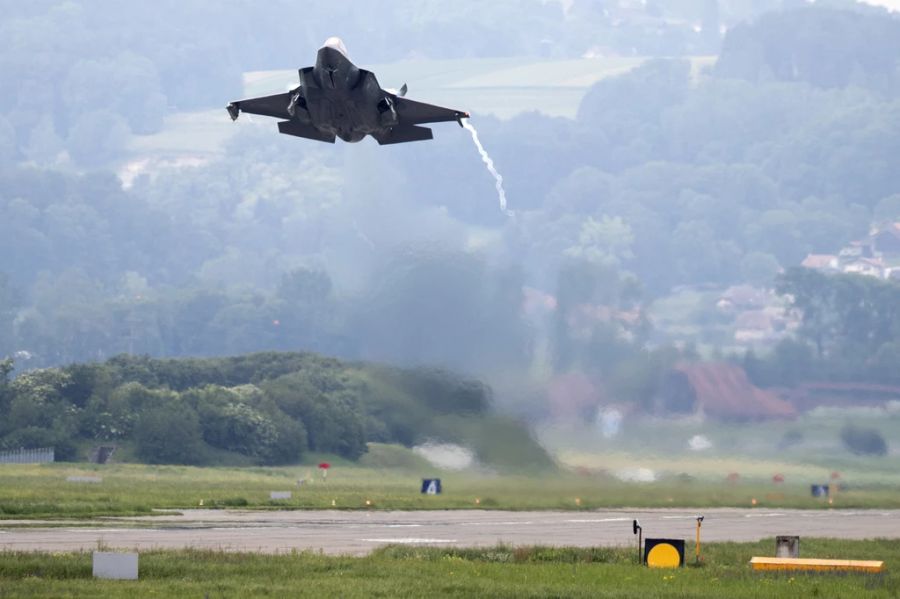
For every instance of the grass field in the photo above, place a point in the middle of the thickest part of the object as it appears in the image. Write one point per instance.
(389, 478)
(420, 572)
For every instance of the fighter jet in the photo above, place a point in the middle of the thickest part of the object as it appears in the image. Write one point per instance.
(336, 98)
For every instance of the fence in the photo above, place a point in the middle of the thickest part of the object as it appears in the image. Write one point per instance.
(27, 456)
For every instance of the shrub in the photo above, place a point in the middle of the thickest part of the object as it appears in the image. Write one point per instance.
(863, 441)
(169, 433)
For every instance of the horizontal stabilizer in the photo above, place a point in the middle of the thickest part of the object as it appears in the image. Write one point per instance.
(403, 134)
(303, 130)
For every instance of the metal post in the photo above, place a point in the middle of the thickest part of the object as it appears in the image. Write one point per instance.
(699, 524)
(636, 529)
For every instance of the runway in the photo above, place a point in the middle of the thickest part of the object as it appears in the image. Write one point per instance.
(359, 532)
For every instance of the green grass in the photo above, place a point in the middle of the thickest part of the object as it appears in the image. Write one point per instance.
(432, 572)
(389, 477)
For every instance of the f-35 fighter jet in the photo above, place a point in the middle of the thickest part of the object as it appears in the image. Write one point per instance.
(336, 98)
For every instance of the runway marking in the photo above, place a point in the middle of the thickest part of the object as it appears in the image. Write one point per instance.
(409, 541)
(495, 523)
(763, 515)
(403, 526)
(599, 520)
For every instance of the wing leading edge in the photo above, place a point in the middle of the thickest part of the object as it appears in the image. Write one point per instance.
(417, 113)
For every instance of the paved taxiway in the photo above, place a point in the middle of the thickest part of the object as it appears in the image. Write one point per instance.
(358, 532)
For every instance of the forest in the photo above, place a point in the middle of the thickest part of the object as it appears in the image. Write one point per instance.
(669, 177)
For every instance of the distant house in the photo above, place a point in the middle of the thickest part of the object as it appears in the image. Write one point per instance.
(720, 390)
(865, 257)
(743, 297)
(823, 262)
(855, 251)
(758, 326)
(872, 267)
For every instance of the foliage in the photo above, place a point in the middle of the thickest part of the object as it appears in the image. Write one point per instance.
(790, 45)
(169, 433)
(849, 331)
(863, 440)
(270, 408)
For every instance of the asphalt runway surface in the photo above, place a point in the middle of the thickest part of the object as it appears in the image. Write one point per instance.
(359, 532)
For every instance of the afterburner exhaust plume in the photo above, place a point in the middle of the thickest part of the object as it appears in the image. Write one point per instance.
(498, 178)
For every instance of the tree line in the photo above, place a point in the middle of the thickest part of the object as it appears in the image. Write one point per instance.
(849, 331)
(266, 408)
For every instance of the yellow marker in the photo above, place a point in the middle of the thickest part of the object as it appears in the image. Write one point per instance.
(663, 555)
(333, 503)
(753, 501)
(578, 501)
(368, 502)
(816, 565)
(477, 501)
(201, 502)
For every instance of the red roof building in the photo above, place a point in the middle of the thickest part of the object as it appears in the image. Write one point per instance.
(720, 390)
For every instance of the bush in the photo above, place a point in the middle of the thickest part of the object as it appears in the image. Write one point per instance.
(33, 437)
(863, 441)
(169, 433)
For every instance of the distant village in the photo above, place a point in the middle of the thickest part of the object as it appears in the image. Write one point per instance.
(747, 317)
(878, 255)
(760, 315)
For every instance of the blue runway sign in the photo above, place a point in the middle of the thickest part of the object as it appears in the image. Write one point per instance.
(431, 486)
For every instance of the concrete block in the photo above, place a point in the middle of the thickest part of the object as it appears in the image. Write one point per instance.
(280, 495)
(787, 546)
(84, 479)
(115, 566)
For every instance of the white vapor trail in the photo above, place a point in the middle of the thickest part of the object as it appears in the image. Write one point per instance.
(498, 178)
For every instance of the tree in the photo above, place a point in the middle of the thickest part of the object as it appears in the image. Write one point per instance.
(864, 441)
(821, 46)
(759, 268)
(330, 413)
(6, 367)
(607, 241)
(169, 433)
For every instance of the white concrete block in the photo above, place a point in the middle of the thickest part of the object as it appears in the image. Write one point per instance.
(84, 479)
(280, 495)
(116, 566)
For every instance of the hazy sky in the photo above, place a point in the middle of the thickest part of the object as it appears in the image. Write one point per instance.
(891, 4)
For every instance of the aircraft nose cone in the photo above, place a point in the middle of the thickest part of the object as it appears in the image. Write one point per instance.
(335, 44)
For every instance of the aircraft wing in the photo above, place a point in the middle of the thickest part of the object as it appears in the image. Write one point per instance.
(274, 106)
(415, 113)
